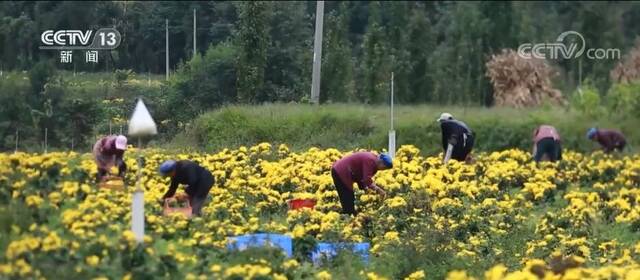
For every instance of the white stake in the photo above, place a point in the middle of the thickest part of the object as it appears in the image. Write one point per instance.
(392, 133)
(137, 203)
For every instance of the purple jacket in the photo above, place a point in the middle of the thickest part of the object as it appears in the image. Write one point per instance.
(610, 139)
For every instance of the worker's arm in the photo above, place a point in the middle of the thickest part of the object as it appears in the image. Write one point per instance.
(172, 190)
(367, 179)
(447, 155)
(379, 190)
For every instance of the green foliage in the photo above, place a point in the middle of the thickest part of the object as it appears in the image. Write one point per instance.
(375, 69)
(14, 113)
(355, 126)
(252, 37)
(587, 101)
(287, 71)
(624, 100)
(337, 68)
(122, 76)
(203, 83)
(437, 50)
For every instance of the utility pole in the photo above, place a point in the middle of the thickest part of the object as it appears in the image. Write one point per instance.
(317, 54)
(166, 32)
(194, 31)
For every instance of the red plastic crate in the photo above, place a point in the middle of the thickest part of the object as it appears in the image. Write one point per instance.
(301, 203)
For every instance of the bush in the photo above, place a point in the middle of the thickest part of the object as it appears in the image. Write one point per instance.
(622, 99)
(587, 101)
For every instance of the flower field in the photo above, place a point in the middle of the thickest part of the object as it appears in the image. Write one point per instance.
(503, 217)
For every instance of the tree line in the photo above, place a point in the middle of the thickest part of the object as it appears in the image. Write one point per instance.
(253, 52)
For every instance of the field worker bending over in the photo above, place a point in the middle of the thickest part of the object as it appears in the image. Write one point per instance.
(457, 138)
(609, 139)
(198, 180)
(109, 152)
(359, 167)
(546, 144)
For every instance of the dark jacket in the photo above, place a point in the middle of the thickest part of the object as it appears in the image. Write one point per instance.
(453, 132)
(198, 179)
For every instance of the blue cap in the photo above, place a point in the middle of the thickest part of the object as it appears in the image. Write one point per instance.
(591, 132)
(387, 160)
(167, 167)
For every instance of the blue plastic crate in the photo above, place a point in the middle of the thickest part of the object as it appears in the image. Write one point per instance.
(260, 240)
(330, 250)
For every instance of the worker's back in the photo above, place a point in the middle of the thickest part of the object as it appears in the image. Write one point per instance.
(546, 131)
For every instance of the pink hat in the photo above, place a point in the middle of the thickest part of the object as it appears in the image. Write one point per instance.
(121, 142)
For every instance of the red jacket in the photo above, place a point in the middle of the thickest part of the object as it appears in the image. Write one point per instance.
(358, 167)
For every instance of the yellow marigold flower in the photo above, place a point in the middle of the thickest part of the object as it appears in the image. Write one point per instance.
(374, 276)
(458, 275)
(392, 236)
(33, 200)
(323, 275)
(290, 264)
(416, 275)
(215, 268)
(92, 260)
(496, 272)
(5, 269)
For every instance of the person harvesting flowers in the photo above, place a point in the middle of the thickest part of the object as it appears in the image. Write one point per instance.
(359, 167)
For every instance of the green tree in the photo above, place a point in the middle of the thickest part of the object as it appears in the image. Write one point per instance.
(375, 68)
(398, 40)
(203, 83)
(420, 47)
(252, 41)
(337, 66)
(290, 35)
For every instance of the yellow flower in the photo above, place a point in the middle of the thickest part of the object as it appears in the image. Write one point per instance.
(496, 272)
(392, 236)
(92, 260)
(215, 268)
(416, 275)
(33, 200)
(5, 269)
(290, 264)
(323, 275)
(458, 275)
(374, 276)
